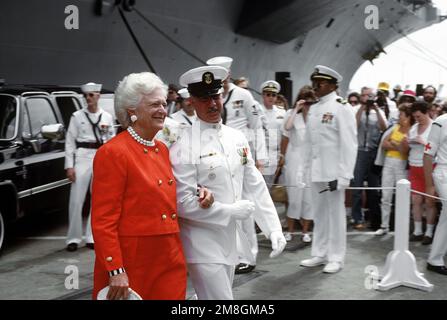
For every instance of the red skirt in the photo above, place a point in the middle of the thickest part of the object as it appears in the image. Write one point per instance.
(155, 266)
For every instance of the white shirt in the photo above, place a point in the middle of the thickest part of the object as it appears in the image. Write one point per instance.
(219, 159)
(332, 133)
(182, 118)
(437, 143)
(416, 155)
(80, 130)
(244, 113)
(273, 119)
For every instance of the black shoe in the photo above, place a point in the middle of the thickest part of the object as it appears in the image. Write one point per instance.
(427, 240)
(414, 237)
(72, 247)
(244, 268)
(437, 269)
(90, 245)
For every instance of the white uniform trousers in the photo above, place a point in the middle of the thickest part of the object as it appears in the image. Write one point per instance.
(83, 170)
(329, 234)
(393, 170)
(439, 246)
(212, 281)
(248, 228)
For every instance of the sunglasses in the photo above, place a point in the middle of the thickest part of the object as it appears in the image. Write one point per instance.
(269, 94)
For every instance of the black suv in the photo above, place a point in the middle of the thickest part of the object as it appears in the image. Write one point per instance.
(33, 120)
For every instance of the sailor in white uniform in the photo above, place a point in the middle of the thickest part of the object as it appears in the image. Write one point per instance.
(273, 121)
(437, 147)
(332, 133)
(89, 128)
(241, 111)
(186, 115)
(216, 156)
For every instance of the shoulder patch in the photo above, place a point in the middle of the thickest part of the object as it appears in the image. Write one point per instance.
(437, 124)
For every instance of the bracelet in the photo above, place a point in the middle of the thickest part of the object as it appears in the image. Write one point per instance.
(116, 272)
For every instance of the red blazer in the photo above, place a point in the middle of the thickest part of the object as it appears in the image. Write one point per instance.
(133, 194)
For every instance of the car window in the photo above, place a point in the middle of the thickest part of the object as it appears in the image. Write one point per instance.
(38, 112)
(8, 112)
(67, 105)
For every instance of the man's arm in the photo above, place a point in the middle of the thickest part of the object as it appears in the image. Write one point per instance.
(188, 205)
(348, 145)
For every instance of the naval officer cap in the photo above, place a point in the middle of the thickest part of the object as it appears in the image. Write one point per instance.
(221, 62)
(184, 93)
(326, 73)
(204, 81)
(91, 87)
(270, 86)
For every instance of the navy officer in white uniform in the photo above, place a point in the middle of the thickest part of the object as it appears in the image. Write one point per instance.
(89, 128)
(214, 155)
(332, 133)
(273, 121)
(241, 111)
(437, 147)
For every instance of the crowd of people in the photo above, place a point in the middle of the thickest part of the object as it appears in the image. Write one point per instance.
(191, 169)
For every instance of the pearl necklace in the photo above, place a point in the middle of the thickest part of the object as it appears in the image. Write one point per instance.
(147, 143)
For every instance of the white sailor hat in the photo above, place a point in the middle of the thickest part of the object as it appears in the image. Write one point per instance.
(271, 86)
(204, 81)
(102, 294)
(184, 93)
(91, 87)
(221, 62)
(326, 73)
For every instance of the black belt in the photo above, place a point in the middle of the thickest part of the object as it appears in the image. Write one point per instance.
(88, 145)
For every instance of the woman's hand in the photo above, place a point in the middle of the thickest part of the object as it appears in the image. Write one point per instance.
(118, 287)
(206, 198)
(300, 104)
(281, 161)
(71, 174)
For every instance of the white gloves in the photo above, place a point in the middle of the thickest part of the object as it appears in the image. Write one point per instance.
(278, 243)
(242, 209)
(342, 183)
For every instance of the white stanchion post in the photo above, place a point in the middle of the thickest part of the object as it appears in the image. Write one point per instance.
(400, 267)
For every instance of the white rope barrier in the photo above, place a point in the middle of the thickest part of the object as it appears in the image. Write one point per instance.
(427, 195)
(361, 188)
(349, 188)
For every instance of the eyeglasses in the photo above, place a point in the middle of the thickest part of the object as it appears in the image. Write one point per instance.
(270, 94)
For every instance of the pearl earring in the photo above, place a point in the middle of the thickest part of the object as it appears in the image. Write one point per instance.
(133, 118)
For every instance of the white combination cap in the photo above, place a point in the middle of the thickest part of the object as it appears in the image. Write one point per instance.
(204, 81)
(271, 86)
(326, 73)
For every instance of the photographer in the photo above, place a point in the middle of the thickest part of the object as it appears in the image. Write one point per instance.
(370, 124)
(386, 104)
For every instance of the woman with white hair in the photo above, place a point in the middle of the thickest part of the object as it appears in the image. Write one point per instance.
(134, 212)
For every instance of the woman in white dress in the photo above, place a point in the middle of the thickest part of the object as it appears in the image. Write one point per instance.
(294, 148)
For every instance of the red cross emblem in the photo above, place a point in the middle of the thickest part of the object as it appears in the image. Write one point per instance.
(427, 147)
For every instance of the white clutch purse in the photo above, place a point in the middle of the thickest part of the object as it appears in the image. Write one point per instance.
(102, 294)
